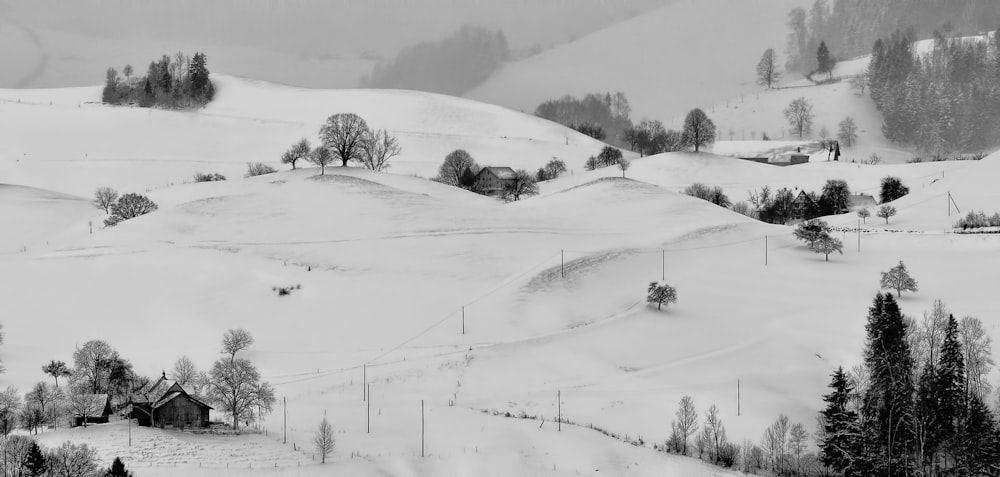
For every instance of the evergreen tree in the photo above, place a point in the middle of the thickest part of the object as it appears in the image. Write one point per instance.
(34, 463)
(199, 74)
(926, 422)
(887, 409)
(950, 385)
(840, 444)
(117, 469)
(823, 58)
(979, 450)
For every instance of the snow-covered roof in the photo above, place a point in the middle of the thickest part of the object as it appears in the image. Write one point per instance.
(501, 172)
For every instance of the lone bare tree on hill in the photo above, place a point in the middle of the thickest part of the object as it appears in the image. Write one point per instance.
(343, 134)
(767, 69)
(898, 278)
(800, 117)
(699, 130)
(104, 198)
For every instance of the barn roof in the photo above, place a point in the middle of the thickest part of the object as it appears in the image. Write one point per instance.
(99, 402)
(501, 172)
(173, 395)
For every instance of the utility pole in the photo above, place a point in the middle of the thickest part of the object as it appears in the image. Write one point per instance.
(463, 320)
(369, 420)
(559, 404)
(562, 264)
(859, 235)
(421, 428)
(663, 264)
(737, 398)
(284, 421)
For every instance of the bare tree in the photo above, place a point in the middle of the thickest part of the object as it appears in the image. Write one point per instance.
(978, 349)
(864, 214)
(800, 117)
(71, 460)
(767, 69)
(687, 421)
(714, 433)
(92, 366)
(898, 278)
(104, 198)
(827, 245)
(456, 166)
(131, 205)
(343, 134)
(798, 438)
(43, 396)
(773, 443)
(83, 406)
(377, 148)
(321, 157)
(699, 131)
(10, 405)
(661, 293)
(624, 163)
(848, 133)
(925, 338)
(522, 185)
(885, 212)
(185, 371)
(298, 151)
(234, 385)
(324, 440)
(236, 340)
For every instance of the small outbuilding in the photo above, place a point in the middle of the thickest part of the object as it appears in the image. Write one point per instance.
(97, 412)
(168, 404)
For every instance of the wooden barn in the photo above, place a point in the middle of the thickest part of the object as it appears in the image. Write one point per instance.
(168, 404)
(803, 206)
(494, 180)
(97, 412)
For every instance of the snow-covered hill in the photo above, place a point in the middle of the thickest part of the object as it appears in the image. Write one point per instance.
(60, 139)
(686, 54)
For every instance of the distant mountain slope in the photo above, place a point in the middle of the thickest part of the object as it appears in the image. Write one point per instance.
(686, 54)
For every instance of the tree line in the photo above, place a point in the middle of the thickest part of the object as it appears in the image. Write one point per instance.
(171, 82)
(850, 27)
(945, 101)
(454, 65)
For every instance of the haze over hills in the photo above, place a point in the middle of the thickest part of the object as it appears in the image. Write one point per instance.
(686, 54)
(310, 43)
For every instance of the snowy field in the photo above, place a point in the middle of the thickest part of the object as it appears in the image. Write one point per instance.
(551, 288)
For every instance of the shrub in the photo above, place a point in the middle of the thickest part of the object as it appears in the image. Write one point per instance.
(255, 169)
(283, 291)
(977, 219)
(892, 189)
(211, 177)
(743, 208)
(714, 195)
(129, 206)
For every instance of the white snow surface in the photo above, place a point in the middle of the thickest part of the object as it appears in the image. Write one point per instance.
(549, 290)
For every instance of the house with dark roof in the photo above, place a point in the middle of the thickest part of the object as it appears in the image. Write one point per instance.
(803, 207)
(168, 404)
(95, 411)
(494, 180)
(861, 201)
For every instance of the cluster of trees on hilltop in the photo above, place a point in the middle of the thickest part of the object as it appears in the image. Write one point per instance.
(945, 101)
(453, 65)
(849, 27)
(173, 82)
(600, 116)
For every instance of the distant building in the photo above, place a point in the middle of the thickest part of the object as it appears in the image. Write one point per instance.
(803, 206)
(167, 404)
(494, 180)
(861, 201)
(100, 407)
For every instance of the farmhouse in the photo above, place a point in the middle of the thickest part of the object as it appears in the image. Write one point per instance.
(96, 412)
(168, 404)
(803, 206)
(861, 201)
(494, 180)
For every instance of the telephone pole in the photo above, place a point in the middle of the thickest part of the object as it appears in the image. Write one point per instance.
(284, 420)
(421, 428)
(369, 420)
(559, 404)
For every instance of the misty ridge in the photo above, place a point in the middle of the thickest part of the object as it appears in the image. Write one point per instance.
(452, 66)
